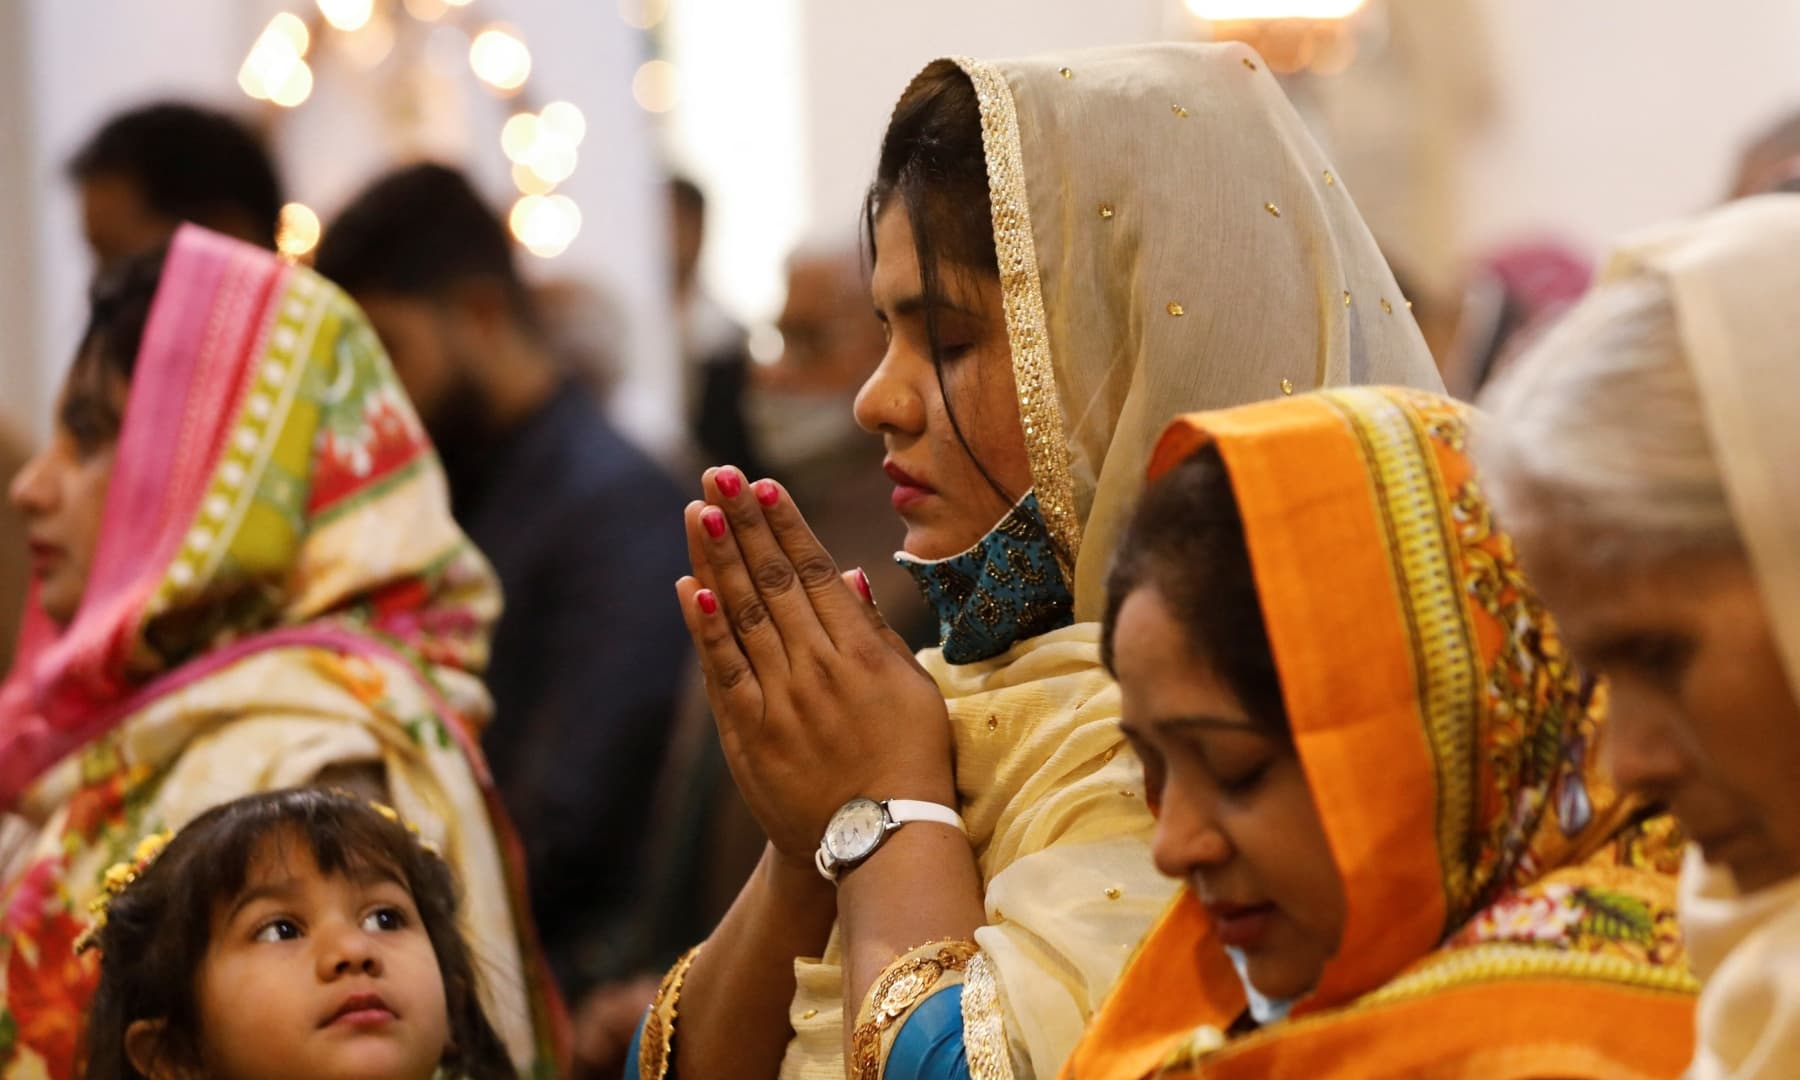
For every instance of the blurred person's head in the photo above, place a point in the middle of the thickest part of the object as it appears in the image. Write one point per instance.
(585, 326)
(433, 266)
(152, 168)
(1772, 160)
(61, 491)
(1633, 452)
(801, 406)
(687, 215)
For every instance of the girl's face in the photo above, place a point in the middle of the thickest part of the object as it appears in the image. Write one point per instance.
(315, 975)
(939, 491)
(61, 492)
(1235, 818)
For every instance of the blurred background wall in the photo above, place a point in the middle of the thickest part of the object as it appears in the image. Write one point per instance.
(1590, 119)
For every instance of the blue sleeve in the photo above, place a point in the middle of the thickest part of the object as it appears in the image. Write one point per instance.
(637, 1045)
(930, 1043)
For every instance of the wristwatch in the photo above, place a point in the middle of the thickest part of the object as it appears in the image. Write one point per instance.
(860, 826)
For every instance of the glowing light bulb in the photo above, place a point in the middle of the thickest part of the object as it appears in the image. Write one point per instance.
(299, 230)
(347, 15)
(530, 183)
(288, 27)
(295, 87)
(275, 69)
(553, 157)
(1235, 10)
(500, 58)
(545, 224)
(563, 118)
(519, 135)
(643, 14)
(654, 86)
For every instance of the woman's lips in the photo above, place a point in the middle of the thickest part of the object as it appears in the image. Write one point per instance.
(909, 491)
(44, 558)
(1242, 926)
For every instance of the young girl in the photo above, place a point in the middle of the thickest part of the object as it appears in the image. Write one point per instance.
(300, 933)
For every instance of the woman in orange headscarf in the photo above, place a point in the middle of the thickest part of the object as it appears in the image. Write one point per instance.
(1374, 768)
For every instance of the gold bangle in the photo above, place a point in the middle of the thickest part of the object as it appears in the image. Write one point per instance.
(656, 1048)
(901, 986)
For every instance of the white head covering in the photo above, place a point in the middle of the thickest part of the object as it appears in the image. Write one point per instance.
(1733, 278)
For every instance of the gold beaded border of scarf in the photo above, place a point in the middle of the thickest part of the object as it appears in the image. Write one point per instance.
(1027, 327)
(902, 985)
(984, 1024)
(657, 1045)
(1410, 498)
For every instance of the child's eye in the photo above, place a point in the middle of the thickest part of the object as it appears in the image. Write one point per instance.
(278, 930)
(385, 919)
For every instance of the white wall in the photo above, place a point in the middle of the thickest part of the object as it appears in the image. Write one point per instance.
(1618, 113)
(89, 58)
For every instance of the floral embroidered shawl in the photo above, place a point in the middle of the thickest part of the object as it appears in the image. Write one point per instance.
(278, 590)
(1508, 914)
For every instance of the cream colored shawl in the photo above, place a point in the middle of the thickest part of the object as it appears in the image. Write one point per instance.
(1733, 278)
(1170, 239)
(1734, 282)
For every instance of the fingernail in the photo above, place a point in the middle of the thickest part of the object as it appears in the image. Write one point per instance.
(729, 481)
(707, 601)
(766, 492)
(862, 585)
(713, 522)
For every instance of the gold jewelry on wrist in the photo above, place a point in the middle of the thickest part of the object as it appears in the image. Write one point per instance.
(657, 1045)
(902, 985)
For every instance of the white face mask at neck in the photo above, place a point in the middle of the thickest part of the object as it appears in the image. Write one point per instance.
(1264, 1010)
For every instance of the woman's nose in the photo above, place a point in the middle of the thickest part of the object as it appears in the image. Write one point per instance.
(33, 490)
(1188, 838)
(1644, 750)
(889, 401)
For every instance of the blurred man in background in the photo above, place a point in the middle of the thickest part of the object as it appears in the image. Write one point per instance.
(714, 353)
(585, 532)
(148, 170)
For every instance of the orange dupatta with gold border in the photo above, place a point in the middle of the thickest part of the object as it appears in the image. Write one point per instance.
(1509, 915)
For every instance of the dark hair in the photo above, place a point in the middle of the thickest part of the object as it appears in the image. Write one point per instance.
(688, 196)
(118, 311)
(157, 930)
(1186, 541)
(419, 232)
(934, 163)
(189, 163)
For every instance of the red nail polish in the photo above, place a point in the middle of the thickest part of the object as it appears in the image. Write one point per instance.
(729, 482)
(707, 601)
(766, 492)
(713, 522)
(862, 585)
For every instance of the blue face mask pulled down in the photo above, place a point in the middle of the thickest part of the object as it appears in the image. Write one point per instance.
(1003, 590)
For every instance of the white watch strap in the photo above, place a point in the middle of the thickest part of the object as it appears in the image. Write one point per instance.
(904, 810)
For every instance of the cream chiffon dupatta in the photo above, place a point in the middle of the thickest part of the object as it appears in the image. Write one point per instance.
(1170, 239)
(1732, 277)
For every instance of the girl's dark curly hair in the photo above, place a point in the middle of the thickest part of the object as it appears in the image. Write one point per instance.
(157, 930)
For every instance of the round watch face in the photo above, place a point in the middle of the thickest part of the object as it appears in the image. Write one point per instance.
(855, 830)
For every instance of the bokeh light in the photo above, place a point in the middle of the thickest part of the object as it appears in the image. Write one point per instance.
(654, 86)
(299, 230)
(545, 224)
(347, 15)
(500, 58)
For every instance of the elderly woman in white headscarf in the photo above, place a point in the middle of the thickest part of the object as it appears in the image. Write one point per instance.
(1069, 252)
(1646, 456)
